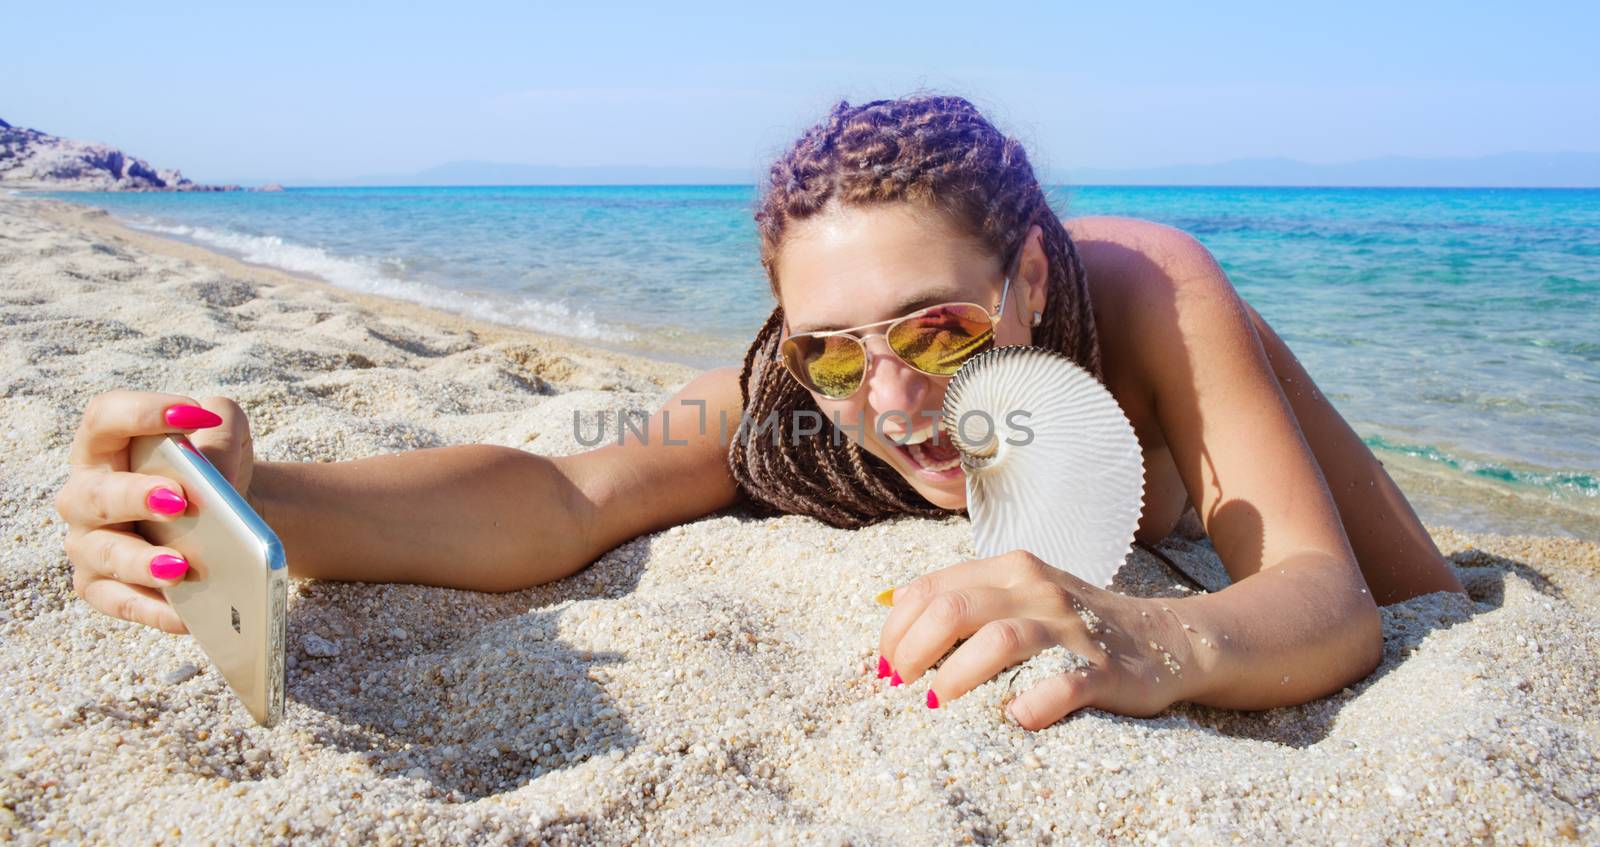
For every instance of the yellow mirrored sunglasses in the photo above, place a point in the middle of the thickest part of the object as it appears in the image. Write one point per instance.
(935, 340)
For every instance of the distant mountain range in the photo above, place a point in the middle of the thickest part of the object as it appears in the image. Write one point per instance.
(31, 159)
(1504, 170)
(38, 160)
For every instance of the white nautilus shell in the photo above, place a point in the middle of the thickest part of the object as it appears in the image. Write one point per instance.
(1052, 463)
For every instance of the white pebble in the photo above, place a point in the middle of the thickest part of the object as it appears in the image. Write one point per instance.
(318, 647)
(179, 673)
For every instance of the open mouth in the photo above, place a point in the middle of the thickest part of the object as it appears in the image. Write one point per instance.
(931, 453)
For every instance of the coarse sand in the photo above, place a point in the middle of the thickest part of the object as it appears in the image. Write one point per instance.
(711, 683)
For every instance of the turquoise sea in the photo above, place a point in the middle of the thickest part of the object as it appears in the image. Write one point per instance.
(1458, 330)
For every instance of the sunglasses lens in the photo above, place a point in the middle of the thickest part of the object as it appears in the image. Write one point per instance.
(832, 365)
(942, 340)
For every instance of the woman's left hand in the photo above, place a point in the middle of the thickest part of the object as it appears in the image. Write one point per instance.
(1012, 606)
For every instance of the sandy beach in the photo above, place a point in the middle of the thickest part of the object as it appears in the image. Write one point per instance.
(710, 683)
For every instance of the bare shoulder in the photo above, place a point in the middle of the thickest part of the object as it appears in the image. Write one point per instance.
(1132, 250)
(700, 407)
(677, 470)
(1135, 267)
(1174, 330)
(720, 385)
(1143, 277)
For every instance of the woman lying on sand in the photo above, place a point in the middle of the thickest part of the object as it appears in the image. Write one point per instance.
(921, 208)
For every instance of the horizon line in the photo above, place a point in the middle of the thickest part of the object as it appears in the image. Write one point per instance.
(313, 186)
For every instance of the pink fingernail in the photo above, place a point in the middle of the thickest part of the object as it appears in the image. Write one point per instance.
(166, 566)
(191, 417)
(883, 667)
(895, 679)
(933, 699)
(165, 501)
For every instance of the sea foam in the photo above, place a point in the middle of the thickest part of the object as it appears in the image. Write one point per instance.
(373, 275)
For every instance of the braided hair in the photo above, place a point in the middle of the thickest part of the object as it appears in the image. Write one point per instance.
(934, 151)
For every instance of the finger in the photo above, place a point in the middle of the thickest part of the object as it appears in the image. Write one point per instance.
(125, 557)
(134, 603)
(996, 645)
(1055, 698)
(910, 600)
(116, 416)
(94, 497)
(224, 445)
(948, 617)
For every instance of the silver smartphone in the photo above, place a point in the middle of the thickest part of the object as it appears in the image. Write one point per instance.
(234, 598)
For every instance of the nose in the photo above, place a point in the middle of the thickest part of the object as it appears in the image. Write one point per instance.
(895, 391)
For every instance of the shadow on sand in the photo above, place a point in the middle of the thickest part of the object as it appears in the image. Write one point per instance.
(478, 707)
(1484, 575)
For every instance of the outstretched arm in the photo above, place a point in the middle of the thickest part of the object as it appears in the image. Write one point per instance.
(492, 518)
(1298, 622)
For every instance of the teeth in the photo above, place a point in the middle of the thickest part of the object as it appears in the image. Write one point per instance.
(921, 436)
(922, 459)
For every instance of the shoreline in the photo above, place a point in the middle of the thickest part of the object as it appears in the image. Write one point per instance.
(709, 682)
(1440, 495)
(670, 344)
(105, 223)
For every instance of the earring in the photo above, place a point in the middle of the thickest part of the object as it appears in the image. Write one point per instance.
(1038, 318)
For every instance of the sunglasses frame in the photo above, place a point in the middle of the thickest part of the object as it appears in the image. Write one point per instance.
(861, 340)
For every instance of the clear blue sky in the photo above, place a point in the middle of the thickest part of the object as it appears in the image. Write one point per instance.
(329, 90)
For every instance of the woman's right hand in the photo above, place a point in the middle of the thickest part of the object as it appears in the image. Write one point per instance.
(113, 567)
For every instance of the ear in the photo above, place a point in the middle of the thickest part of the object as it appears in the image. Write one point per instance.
(1033, 273)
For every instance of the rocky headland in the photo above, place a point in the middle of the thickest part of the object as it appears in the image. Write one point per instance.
(30, 159)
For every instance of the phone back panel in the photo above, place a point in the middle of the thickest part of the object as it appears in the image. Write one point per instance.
(234, 597)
